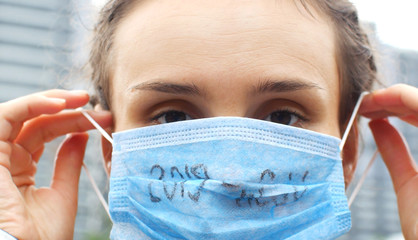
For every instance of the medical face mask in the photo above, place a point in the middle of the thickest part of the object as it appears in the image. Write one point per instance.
(227, 178)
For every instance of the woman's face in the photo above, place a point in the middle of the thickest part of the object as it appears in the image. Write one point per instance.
(184, 59)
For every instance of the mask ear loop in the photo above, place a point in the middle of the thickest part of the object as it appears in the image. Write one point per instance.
(343, 141)
(90, 177)
(97, 191)
(352, 118)
(363, 177)
(96, 125)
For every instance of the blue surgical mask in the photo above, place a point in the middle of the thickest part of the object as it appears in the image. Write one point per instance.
(227, 178)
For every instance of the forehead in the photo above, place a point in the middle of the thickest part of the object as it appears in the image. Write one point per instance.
(221, 38)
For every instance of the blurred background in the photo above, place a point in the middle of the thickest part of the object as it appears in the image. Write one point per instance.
(45, 43)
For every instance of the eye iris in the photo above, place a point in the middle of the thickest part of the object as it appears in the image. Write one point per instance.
(281, 117)
(175, 116)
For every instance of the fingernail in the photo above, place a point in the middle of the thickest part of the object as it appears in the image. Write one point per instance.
(68, 135)
(74, 135)
(378, 91)
(57, 100)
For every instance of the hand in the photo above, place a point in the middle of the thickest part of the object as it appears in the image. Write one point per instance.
(402, 101)
(25, 125)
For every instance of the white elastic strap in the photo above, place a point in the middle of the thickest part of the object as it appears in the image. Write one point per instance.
(96, 125)
(101, 130)
(93, 183)
(343, 141)
(363, 177)
(352, 118)
(96, 189)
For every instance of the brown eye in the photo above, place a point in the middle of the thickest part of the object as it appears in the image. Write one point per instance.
(283, 117)
(171, 116)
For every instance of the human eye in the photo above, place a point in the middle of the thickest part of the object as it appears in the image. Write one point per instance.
(286, 117)
(170, 116)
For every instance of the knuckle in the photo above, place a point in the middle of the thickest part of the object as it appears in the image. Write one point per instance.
(6, 127)
(80, 124)
(5, 148)
(47, 135)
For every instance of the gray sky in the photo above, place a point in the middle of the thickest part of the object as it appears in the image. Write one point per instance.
(396, 20)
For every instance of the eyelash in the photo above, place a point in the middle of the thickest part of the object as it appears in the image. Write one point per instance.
(156, 117)
(299, 123)
(301, 119)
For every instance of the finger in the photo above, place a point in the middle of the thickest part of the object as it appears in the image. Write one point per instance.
(74, 98)
(37, 155)
(22, 165)
(5, 152)
(411, 119)
(48, 127)
(400, 99)
(68, 166)
(17, 111)
(394, 152)
(381, 114)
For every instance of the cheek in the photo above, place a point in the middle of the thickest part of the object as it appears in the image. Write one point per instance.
(328, 127)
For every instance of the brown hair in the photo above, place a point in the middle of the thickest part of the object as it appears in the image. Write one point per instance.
(355, 59)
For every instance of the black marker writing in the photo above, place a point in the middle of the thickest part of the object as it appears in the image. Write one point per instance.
(269, 172)
(152, 197)
(177, 170)
(170, 195)
(200, 167)
(161, 169)
(257, 200)
(195, 197)
(199, 171)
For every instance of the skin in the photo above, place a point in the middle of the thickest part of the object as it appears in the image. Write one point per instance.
(196, 43)
(225, 51)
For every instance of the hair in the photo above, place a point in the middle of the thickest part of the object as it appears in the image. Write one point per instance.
(356, 64)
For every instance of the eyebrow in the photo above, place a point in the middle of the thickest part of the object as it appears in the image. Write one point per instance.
(192, 89)
(165, 87)
(283, 86)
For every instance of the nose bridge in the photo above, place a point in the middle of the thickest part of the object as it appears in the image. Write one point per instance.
(229, 100)
(227, 88)
(228, 109)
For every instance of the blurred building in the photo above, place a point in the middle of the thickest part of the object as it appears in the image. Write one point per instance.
(37, 41)
(34, 45)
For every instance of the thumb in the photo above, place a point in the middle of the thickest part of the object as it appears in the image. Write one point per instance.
(394, 151)
(403, 171)
(68, 165)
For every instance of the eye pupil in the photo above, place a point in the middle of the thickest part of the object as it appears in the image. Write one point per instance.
(281, 117)
(175, 116)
